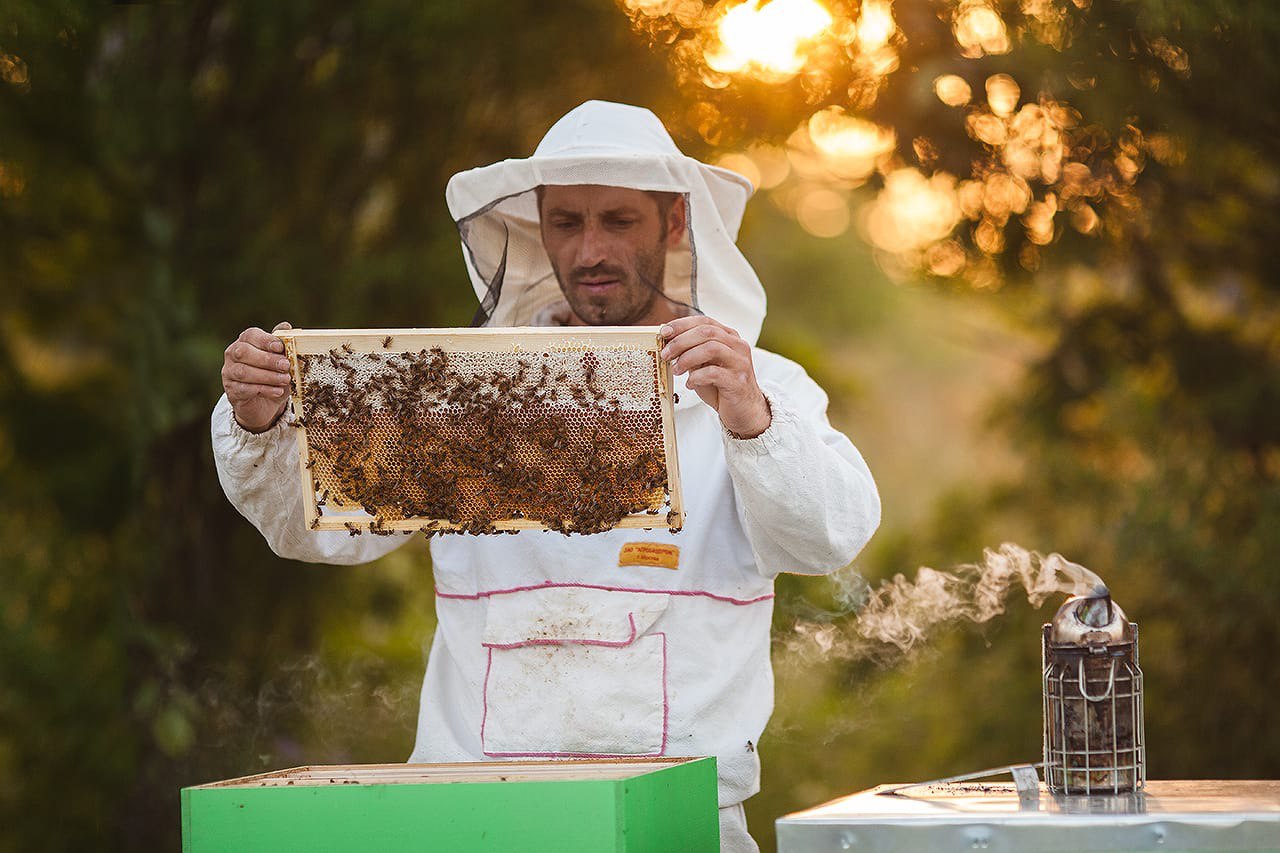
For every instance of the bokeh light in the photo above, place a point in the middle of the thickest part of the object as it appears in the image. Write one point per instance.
(875, 25)
(979, 29)
(946, 258)
(912, 211)
(1003, 93)
(13, 71)
(773, 165)
(823, 212)
(771, 37)
(850, 147)
(1039, 220)
(743, 165)
(1036, 169)
(952, 90)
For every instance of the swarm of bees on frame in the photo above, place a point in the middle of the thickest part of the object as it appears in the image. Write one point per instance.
(475, 438)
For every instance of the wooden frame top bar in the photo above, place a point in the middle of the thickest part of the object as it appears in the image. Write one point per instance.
(530, 338)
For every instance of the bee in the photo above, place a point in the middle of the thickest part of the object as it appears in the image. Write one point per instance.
(386, 342)
(346, 347)
(352, 528)
(315, 522)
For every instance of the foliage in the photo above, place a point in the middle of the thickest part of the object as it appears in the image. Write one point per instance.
(170, 175)
(1144, 422)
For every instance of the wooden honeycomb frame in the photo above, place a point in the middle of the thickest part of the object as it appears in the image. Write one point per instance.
(532, 341)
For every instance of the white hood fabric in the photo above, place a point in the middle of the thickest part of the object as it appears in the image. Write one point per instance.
(555, 646)
(613, 145)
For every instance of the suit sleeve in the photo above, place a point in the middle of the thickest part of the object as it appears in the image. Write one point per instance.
(259, 473)
(806, 497)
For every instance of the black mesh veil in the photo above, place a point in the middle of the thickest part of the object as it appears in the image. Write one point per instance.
(503, 248)
(601, 144)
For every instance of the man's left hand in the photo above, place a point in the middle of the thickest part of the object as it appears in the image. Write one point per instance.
(718, 363)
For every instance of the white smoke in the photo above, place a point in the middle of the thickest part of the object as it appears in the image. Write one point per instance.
(902, 613)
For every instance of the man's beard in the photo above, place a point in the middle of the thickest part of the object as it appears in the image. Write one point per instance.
(640, 288)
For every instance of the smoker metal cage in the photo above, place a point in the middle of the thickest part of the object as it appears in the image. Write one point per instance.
(1094, 733)
(484, 430)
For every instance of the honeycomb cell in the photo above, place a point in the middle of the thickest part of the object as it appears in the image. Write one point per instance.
(461, 440)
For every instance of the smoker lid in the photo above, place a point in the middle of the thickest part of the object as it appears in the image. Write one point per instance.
(1090, 620)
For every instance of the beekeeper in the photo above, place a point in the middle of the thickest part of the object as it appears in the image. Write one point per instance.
(625, 643)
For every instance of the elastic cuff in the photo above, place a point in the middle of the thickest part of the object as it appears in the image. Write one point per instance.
(241, 441)
(248, 439)
(782, 416)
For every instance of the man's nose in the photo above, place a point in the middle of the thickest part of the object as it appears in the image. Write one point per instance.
(592, 250)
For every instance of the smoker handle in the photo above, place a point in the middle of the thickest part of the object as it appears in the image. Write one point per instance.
(1111, 683)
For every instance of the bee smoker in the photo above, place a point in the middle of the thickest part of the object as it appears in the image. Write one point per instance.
(1094, 741)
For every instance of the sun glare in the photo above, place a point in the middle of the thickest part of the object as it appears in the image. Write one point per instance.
(1038, 170)
(850, 147)
(875, 25)
(771, 37)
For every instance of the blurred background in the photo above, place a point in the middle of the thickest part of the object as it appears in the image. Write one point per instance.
(1030, 248)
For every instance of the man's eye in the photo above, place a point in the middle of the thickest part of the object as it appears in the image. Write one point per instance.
(564, 224)
(622, 223)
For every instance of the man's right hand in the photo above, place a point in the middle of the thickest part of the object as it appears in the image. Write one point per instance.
(255, 375)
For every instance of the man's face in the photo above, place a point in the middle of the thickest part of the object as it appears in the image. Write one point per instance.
(608, 248)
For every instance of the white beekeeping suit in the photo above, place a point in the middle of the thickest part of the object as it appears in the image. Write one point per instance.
(547, 645)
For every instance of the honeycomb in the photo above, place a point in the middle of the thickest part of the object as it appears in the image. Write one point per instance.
(482, 441)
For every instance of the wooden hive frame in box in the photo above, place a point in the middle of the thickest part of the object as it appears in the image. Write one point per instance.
(485, 430)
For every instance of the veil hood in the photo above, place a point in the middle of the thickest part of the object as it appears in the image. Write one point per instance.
(608, 144)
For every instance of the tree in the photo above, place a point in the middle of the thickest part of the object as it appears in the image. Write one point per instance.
(1104, 174)
(170, 175)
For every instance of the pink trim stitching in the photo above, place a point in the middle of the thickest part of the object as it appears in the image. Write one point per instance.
(552, 585)
(666, 717)
(631, 617)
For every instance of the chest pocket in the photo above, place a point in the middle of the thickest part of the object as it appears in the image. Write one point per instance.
(574, 672)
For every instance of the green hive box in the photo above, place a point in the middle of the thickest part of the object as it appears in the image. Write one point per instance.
(651, 805)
